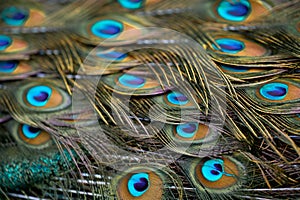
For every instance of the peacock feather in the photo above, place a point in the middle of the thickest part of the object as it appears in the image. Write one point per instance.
(149, 99)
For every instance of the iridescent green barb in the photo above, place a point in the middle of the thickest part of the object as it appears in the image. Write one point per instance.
(27, 172)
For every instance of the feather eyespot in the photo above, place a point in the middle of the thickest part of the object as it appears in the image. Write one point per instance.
(38, 96)
(274, 91)
(192, 132)
(10, 44)
(29, 136)
(213, 170)
(187, 130)
(107, 28)
(217, 174)
(33, 136)
(136, 81)
(239, 10)
(279, 91)
(132, 81)
(139, 83)
(14, 16)
(113, 29)
(177, 98)
(236, 11)
(236, 45)
(15, 68)
(140, 183)
(5, 42)
(8, 66)
(30, 132)
(22, 16)
(146, 182)
(131, 4)
(42, 97)
(229, 45)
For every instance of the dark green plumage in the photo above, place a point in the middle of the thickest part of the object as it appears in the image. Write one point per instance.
(151, 99)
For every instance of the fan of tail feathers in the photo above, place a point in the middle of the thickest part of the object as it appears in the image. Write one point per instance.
(149, 99)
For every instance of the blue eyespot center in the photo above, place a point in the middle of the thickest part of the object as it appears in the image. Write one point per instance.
(112, 55)
(218, 169)
(187, 130)
(107, 28)
(138, 184)
(5, 42)
(8, 66)
(30, 132)
(177, 98)
(131, 4)
(235, 11)
(274, 91)
(132, 81)
(213, 170)
(228, 45)
(14, 16)
(39, 95)
(234, 68)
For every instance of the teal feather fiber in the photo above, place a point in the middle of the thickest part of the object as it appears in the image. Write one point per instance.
(150, 99)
